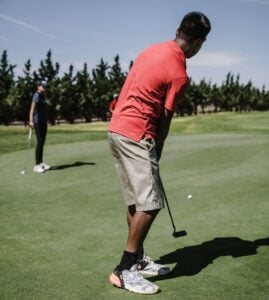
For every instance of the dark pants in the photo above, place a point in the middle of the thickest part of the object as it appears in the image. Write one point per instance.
(41, 132)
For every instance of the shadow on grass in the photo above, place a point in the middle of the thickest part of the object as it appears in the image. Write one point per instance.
(75, 164)
(193, 259)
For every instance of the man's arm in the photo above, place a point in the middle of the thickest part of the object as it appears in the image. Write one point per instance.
(174, 95)
(162, 131)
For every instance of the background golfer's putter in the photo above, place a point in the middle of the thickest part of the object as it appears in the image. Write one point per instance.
(27, 152)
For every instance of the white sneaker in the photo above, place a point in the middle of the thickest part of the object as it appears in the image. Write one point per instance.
(39, 169)
(133, 281)
(45, 166)
(147, 266)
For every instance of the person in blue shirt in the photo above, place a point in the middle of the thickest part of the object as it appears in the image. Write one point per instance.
(38, 118)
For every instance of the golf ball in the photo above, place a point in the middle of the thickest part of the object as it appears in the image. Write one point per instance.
(189, 196)
(22, 172)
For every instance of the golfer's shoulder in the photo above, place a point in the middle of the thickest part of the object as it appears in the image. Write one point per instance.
(157, 49)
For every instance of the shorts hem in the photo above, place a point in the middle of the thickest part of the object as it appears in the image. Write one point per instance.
(149, 208)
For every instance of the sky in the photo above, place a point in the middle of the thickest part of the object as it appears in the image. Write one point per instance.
(84, 31)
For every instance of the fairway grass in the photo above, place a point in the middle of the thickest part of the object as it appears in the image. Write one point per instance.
(63, 232)
(13, 138)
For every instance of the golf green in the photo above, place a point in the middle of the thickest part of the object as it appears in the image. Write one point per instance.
(63, 232)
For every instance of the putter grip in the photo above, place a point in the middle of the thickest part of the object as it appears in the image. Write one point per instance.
(30, 134)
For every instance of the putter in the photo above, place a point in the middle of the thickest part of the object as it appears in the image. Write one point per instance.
(175, 233)
(27, 152)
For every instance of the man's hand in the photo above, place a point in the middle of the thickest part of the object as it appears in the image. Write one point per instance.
(31, 124)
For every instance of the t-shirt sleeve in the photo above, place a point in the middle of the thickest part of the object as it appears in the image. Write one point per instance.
(175, 92)
(36, 98)
(112, 104)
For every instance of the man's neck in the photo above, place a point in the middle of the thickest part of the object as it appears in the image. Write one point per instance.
(182, 44)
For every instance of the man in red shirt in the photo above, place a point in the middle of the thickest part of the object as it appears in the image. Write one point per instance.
(137, 131)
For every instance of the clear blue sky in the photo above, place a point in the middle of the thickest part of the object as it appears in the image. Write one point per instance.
(86, 30)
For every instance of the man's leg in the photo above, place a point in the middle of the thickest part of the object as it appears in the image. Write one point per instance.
(138, 229)
(145, 264)
(136, 186)
(126, 274)
(139, 225)
(130, 213)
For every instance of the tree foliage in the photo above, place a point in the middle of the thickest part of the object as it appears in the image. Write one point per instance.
(22, 93)
(6, 85)
(83, 96)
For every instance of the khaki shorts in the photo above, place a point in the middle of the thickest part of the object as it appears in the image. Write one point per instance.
(138, 172)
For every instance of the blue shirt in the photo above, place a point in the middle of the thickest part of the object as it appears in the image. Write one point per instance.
(41, 111)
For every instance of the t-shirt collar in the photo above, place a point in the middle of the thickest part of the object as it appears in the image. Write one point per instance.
(176, 47)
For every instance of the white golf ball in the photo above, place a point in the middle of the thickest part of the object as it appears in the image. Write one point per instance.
(22, 172)
(189, 196)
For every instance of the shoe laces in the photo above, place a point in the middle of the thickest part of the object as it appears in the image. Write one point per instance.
(147, 259)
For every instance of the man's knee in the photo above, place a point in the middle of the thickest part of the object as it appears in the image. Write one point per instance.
(153, 212)
(132, 210)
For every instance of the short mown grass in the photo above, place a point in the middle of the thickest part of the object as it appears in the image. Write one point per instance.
(13, 138)
(63, 232)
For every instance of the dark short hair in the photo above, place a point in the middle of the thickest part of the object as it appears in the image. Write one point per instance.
(193, 26)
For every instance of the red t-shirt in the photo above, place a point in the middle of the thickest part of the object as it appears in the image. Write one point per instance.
(157, 79)
(112, 105)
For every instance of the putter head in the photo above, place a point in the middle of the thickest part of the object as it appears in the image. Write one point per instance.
(177, 234)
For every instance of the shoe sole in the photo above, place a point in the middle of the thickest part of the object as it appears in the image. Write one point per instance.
(114, 280)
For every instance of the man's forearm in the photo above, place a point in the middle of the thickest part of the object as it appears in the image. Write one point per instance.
(162, 131)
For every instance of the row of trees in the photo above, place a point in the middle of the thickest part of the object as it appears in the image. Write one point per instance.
(81, 95)
(231, 95)
(75, 95)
